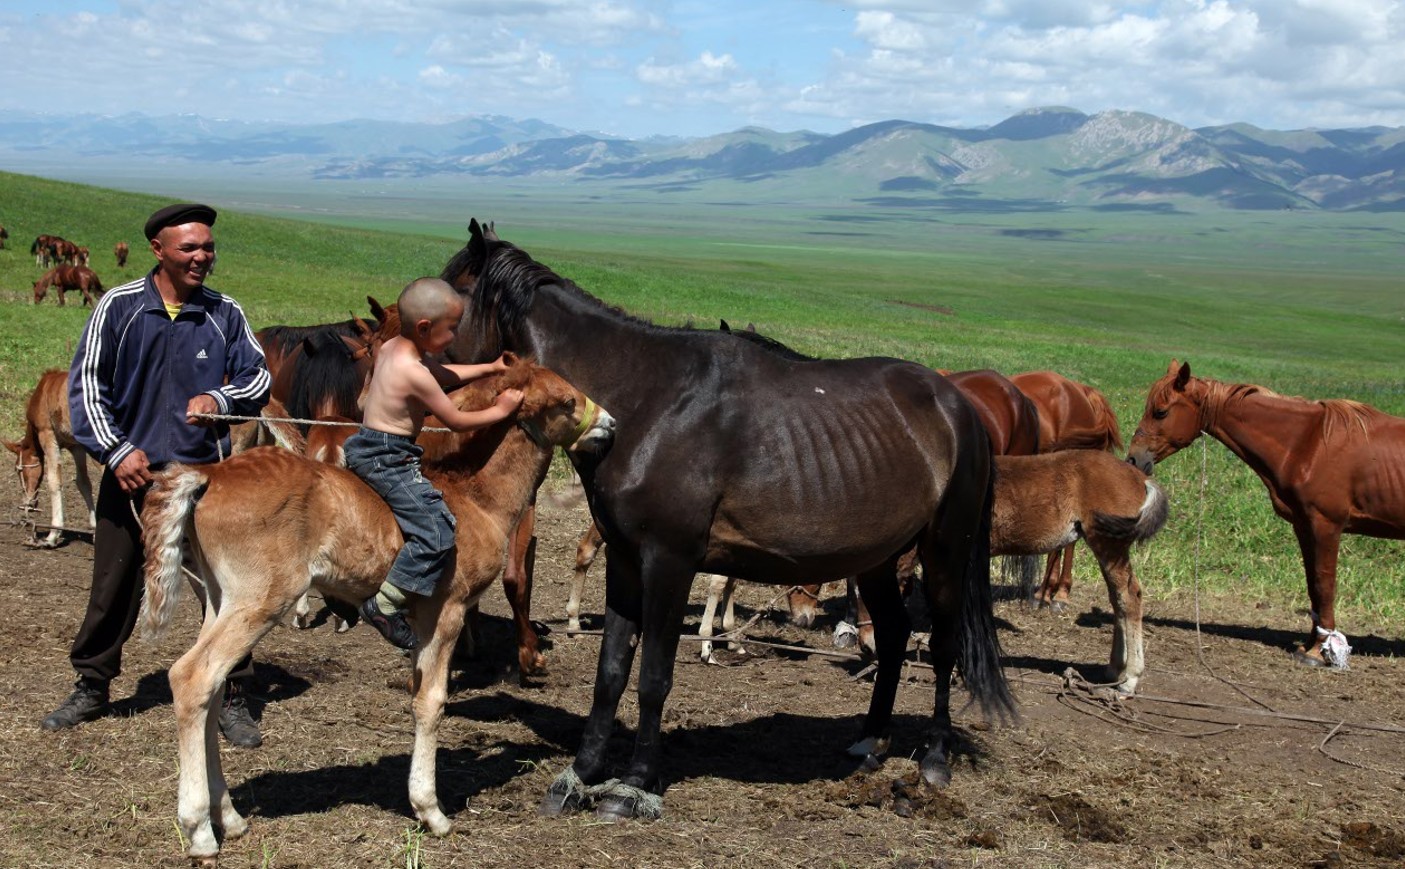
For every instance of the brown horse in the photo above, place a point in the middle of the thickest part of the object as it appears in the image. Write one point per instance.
(1072, 416)
(1331, 467)
(43, 250)
(120, 250)
(4, 234)
(1010, 417)
(47, 430)
(65, 278)
(267, 524)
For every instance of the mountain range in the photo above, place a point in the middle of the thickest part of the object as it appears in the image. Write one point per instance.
(1041, 159)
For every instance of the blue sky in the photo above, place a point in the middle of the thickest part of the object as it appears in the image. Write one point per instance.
(694, 67)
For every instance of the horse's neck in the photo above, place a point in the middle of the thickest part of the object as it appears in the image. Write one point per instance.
(498, 477)
(599, 351)
(1260, 429)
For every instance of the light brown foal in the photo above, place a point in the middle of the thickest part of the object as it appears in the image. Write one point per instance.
(268, 524)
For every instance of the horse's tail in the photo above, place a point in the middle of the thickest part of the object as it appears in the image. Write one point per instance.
(1149, 519)
(165, 517)
(978, 655)
(1107, 419)
(1022, 571)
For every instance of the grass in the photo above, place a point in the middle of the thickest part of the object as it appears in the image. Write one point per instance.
(1305, 303)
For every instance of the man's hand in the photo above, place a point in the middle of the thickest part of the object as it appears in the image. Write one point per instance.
(202, 403)
(133, 472)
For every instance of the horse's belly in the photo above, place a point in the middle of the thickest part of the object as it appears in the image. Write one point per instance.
(802, 551)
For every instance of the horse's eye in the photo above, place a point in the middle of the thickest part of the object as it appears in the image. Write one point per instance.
(1159, 413)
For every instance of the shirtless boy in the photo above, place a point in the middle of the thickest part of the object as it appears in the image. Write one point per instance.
(406, 384)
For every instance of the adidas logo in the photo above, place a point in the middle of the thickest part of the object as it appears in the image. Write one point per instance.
(201, 354)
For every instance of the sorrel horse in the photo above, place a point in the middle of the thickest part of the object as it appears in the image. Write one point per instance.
(42, 249)
(268, 524)
(1072, 416)
(47, 430)
(1010, 417)
(721, 444)
(1331, 467)
(120, 250)
(65, 278)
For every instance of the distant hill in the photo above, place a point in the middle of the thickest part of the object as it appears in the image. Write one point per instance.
(1042, 159)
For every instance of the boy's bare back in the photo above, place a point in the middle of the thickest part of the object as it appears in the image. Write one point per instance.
(394, 401)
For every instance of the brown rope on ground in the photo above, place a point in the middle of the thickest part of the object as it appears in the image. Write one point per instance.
(1322, 747)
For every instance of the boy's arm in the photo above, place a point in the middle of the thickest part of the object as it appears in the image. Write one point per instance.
(426, 388)
(458, 375)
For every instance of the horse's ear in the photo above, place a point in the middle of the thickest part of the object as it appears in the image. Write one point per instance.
(510, 359)
(376, 310)
(477, 244)
(1174, 366)
(1182, 376)
(724, 327)
(363, 330)
(13, 446)
(751, 327)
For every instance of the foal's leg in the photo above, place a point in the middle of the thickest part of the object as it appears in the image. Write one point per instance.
(717, 587)
(623, 609)
(586, 550)
(53, 474)
(83, 482)
(517, 585)
(197, 682)
(430, 686)
(1125, 594)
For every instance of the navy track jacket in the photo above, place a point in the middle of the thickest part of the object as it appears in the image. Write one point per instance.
(136, 370)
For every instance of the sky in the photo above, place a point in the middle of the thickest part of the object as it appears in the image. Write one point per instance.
(696, 67)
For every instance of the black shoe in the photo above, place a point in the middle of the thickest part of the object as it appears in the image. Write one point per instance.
(87, 702)
(236, 723)
(393, 627)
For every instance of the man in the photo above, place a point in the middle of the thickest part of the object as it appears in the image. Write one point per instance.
(155, 355)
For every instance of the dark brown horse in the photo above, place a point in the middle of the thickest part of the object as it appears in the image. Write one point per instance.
(120, 250)
(4, 234)
(720, 444)
(1072, 416)
(1331, 467)
(65, 278)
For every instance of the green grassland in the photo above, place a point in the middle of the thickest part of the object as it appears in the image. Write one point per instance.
(1305, 303)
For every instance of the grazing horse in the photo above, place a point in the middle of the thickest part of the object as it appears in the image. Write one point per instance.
(721, 444)
(4, 234)
(65, 278)
(267, 524)
(1331, 467)
(1072, 416)
(120, 250)
(46, 431)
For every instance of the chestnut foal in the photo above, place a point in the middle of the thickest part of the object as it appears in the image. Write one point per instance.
(267, 524)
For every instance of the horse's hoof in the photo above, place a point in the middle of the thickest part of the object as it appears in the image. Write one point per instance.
(561, 801)
(936, 773)
(615, 807)
(869, 747)
(1308, 659)
(205, 862)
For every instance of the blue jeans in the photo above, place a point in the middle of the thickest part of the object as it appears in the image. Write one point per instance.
(390, 464)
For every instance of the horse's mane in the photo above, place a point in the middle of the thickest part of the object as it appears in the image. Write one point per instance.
(1106, 417)
(766, 342)
(1339, 414)
(326, 371)
(285, 338)
(506, 287)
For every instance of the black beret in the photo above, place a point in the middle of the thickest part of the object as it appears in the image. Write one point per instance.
(177, 215)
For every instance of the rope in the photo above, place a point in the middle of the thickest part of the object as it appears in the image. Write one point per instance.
(229, 417)
(1199, 535)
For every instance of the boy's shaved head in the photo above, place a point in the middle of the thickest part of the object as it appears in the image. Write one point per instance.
(426, 299)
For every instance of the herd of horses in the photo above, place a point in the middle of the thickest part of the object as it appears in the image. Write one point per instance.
(66, 266)
(719, 452)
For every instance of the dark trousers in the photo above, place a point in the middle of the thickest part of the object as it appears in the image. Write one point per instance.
(118, 585)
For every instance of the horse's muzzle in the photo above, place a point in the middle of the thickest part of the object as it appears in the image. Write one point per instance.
(1142, 460)
(598, 435)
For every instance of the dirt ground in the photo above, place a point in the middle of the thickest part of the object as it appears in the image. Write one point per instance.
(1237, 760)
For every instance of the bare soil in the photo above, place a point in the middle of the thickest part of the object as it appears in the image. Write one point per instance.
(1238, 758)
